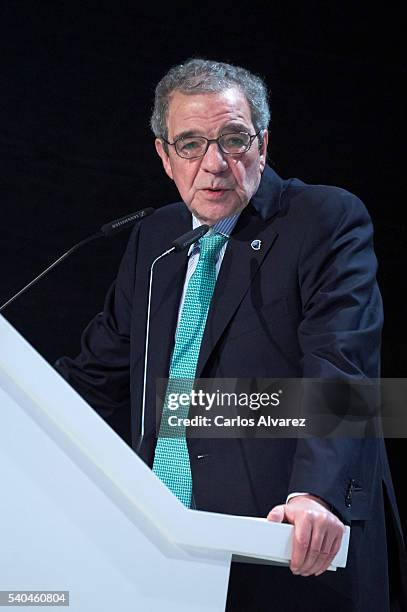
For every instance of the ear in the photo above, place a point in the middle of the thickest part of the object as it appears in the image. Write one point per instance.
(263, 150)
(164, 157)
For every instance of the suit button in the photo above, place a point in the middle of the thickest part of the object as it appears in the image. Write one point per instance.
(348, 497)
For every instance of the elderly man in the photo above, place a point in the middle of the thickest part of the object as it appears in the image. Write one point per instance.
(282, 286)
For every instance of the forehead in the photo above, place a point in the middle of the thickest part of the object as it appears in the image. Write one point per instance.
(207, 112)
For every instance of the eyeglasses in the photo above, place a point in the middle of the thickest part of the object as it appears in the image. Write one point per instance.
(192, 147)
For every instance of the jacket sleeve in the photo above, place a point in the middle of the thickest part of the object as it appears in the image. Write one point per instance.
(340, 336)
(100, 373)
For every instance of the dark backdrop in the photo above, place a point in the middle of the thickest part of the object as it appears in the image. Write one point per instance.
(77, 82)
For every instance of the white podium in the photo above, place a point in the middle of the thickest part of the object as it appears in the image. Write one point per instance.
(80, 512)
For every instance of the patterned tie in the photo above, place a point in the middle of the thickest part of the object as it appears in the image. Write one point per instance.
(171, 460)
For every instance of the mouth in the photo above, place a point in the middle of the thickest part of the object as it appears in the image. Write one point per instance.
(214, 194)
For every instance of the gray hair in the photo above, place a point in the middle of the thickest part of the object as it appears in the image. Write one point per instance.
(197, 76)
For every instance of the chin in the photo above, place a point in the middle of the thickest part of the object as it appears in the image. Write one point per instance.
(212, 213)
(211, 218)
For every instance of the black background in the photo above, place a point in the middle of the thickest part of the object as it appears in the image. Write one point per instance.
(77, 83)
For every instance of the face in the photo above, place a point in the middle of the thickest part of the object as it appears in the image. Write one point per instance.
(216, 185)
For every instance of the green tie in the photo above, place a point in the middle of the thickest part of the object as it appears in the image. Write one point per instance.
(171, 460)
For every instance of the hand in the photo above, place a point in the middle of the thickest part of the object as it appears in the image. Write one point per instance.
(317, 533)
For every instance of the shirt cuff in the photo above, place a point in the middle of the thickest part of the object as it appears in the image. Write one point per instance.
(294, 495)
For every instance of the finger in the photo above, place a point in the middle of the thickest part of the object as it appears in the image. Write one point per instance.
(313, 556)
(325, 555)
(331, 529)
(301, 539)
(336, 544)
(276, 515)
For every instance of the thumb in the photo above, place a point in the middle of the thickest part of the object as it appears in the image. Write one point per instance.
(277, 514)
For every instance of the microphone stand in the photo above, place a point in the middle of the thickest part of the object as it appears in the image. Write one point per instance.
(58, 261)
(107, 230)
(150, 284)
(180, 244)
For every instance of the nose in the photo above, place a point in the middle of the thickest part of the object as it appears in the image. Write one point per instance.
(214, 160)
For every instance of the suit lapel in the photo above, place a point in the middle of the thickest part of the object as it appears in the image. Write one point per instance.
(240, 264)
(242, 261)
(168, 281)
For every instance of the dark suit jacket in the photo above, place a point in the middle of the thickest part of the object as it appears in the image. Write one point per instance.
(305, 305)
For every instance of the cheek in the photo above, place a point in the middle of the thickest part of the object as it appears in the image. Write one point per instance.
(239, 172)
(187, 172)
(245, 174)
(179, 173)
(184, 178)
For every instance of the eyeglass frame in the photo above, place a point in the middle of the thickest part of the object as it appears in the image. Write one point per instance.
(209, 141)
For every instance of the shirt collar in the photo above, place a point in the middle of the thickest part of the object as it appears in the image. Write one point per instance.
(224, 227)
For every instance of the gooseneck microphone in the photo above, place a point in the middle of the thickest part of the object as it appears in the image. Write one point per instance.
(179, 244)
(119, 225)
(107, 230)
(186, 240)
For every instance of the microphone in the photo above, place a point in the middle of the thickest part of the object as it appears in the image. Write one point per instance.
(185, 241)
(107, 230)
(114, 227)
(178, 245)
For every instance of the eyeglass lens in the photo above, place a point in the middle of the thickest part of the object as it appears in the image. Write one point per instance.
(196, 146)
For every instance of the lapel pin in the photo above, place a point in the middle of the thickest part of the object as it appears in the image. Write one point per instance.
(256, 245)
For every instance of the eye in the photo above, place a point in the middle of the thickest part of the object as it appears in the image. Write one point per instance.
(235, 141)
(190, 145)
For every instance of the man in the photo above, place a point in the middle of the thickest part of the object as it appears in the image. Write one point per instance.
(303, 303)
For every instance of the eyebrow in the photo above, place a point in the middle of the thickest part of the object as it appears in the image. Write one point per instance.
(234, 126)
(186, 134)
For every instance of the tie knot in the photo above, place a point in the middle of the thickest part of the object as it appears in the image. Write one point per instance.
(211, 244)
